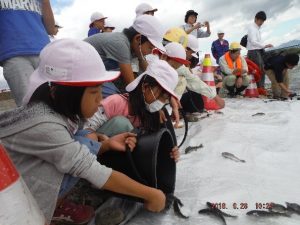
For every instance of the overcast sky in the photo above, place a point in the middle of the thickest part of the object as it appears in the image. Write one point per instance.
(283, 23)
(232, 16)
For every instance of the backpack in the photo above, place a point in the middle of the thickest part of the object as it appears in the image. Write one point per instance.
(244, 41)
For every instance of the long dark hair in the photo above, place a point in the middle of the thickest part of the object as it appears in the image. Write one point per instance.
(150, 121)
(65, 100)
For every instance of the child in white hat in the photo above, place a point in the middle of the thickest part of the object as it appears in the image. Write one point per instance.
(117, 49)
(108, 27)
(97, 23)
(40, 137)
(140, 108)
(176, 57)
(145, 9)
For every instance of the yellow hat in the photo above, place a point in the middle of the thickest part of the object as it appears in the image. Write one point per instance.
(235, 46)
(178, 35)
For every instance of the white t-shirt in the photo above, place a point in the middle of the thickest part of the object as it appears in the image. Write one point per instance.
(254, 41)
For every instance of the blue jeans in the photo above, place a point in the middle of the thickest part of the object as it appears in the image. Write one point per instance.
(69, 181)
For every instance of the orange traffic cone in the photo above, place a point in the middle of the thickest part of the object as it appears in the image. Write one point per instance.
(208, 78)
(251, 90)
(17, 204)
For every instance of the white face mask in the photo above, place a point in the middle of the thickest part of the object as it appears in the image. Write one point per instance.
(154, 106)
(151, 57)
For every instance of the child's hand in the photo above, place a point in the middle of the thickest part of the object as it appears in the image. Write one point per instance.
(119, 142)
(102, 137)
(175, 154)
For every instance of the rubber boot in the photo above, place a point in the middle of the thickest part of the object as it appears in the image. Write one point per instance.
(231, 91)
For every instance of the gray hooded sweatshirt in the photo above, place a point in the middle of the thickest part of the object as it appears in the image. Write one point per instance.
(40, 144)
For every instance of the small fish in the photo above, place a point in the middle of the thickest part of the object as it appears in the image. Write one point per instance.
(281, 99)
(212, 213)
(232, 157)
(211, 210)
(277, 208)
(203, 116)
(192, 148)
(177, 204)
(262, 213)
(259, 114)
(219, 112)
(293, 207)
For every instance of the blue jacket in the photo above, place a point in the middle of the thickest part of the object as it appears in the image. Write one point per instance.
(93, 31)
(218, 49)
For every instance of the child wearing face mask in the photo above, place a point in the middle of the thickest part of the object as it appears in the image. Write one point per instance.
(147, 94)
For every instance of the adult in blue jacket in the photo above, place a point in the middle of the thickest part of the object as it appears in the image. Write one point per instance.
(219, 47)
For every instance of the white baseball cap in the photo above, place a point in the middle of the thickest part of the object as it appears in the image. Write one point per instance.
(176, 52)
(162, 72)
(109, 24)
(150, 27)
(193, 44)
(143, 8)
(97, 16)
(69, 62)
(220, 31)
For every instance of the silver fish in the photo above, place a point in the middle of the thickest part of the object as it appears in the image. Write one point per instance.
(171, 199)
(277, 208)
(214, 211)
(177, 204)
(219, 112)
(293, 207)
(259, 114)
(232, 157)
(192, 148)
(262, 213)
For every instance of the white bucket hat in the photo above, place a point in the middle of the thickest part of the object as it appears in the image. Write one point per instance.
(176, 52)
(97, 16)
(162, 72)
(69, 62)
(150, 27)
(143, 8)
(193, 44)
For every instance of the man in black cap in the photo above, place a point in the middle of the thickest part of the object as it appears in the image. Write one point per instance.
(191, 27)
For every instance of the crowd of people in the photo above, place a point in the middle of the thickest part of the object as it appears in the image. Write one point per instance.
(78, 99)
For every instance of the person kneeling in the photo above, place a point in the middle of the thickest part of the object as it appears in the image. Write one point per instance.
(235, 69)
